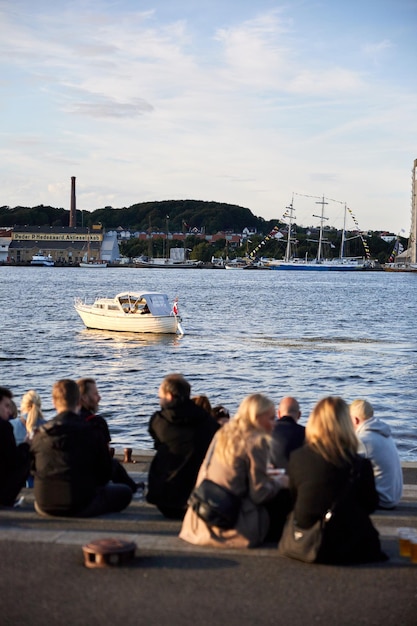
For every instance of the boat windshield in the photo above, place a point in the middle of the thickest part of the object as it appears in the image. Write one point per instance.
(154, 303)
(158, 303)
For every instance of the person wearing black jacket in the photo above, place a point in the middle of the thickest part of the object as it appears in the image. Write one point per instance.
(89, 400)
(287, 435)
(327, 472)
(71, 465)
(14, 460)
(182, 432)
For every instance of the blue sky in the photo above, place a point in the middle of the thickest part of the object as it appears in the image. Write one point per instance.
(229, 100)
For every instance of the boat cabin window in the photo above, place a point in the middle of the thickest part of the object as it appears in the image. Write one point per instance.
(159, 304)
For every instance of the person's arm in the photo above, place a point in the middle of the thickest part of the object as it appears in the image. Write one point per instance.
(152, 430)
(366, 492)
(103, 463)
(262, 487)
(10, 454)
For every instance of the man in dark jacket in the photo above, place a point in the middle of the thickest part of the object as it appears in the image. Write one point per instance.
(287, 434)
(182, 432)
(72, 466)
(89, 401)
(14, 460)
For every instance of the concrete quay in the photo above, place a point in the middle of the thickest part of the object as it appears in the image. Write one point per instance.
(171, 582)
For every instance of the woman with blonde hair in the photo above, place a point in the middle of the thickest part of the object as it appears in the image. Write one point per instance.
(24, 427)
(327, 473)
(237, 460)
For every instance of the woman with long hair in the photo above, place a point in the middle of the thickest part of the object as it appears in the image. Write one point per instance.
(30, 406)
(238, 461)
(327, 471)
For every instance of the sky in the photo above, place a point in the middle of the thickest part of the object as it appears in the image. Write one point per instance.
(257, 104)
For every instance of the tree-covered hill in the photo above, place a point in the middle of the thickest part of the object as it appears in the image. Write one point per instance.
(178, 216)
(212, 216)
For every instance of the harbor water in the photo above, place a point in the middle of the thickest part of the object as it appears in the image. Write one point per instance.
(305, 334)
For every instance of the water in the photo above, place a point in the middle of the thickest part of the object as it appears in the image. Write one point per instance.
(280, 333)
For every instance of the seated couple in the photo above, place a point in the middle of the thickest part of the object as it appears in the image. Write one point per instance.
(72, 464)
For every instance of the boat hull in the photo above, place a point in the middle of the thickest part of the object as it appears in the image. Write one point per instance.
(120, 322)
(178, 266)
(42, 263)
(317, 267)
(399, 268)
(95, 266)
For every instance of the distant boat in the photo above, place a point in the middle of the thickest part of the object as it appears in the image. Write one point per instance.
(400, 267)
(93, 264)
(341, 264)
(395, 264)
(234, 266)
(135, 312)
(335, 265)
(40, 259)
(144, 261)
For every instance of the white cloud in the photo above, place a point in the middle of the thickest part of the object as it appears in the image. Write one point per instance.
(142, 107)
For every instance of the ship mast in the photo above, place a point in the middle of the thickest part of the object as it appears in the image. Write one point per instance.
(322, 218)
(289, 213)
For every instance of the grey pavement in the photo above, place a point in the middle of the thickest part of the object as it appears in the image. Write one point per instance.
(44, 579)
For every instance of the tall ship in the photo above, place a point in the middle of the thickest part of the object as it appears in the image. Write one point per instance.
(319, 263)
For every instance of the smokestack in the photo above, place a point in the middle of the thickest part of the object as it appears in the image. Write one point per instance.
(73, 214)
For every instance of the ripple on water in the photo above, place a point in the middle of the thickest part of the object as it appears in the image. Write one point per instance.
(307, 336)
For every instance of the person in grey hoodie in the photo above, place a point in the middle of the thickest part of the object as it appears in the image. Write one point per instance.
(377, 445)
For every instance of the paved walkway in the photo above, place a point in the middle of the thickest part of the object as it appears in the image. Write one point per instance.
(171, 582)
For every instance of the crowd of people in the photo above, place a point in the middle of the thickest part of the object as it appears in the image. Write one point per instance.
(261, 456)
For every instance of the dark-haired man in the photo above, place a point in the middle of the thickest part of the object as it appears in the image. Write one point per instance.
(182, 432)
(72, 466)
(14, 460)
(89, 401)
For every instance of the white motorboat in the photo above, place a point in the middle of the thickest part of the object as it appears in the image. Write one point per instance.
(135, 312)
(236, 264)
(93, 264)
(41, 259)
(143, 261)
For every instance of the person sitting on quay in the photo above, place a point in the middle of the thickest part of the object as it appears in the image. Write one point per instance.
(377, 445)
(90, 399)
(182, 432)
(71, 465)
(238, 460)
(24, 427)
(327, 472)
(287, 435)
(14, 459)
(202, 401)
(220, 414)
